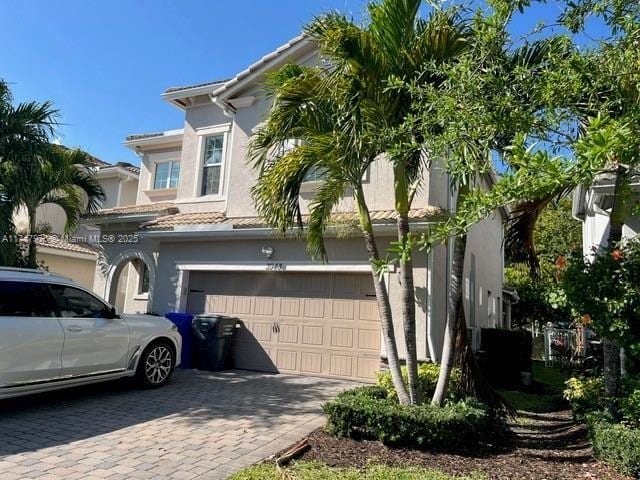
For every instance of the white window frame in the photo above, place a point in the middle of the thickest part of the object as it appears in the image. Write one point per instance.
(203, 134)
(155, 171)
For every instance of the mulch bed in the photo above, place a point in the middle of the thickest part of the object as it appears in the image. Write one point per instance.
(541, 446)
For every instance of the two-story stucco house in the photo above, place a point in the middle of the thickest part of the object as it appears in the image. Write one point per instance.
(196, 230)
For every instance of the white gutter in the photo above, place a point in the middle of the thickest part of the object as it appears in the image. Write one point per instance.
(106, 220)
(225, 231)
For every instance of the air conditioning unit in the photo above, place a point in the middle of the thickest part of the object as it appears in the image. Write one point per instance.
(474, 338)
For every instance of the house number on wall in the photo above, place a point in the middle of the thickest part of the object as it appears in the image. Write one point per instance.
(276, 267)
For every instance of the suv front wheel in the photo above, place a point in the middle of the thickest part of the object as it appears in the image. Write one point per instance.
(156, 365)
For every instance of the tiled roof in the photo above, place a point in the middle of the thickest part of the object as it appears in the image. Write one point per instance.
(159, 208)
(197, 85)
(216, 218)
(126, 165)
(139, 136)
(221, 85)
(260, 63)
(142, 136)
(66, 244)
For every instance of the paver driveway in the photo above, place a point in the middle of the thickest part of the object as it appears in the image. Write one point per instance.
(202, 425)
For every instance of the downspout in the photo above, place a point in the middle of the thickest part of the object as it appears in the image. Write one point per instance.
(430, 340)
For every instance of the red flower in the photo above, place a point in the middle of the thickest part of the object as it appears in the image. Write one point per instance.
(561, 262)
(616, 254)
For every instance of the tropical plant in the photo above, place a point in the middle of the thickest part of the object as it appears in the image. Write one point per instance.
(337, 114)
(25, 128)
(59, 176)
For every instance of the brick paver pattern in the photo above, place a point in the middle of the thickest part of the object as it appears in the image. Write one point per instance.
(201, 425)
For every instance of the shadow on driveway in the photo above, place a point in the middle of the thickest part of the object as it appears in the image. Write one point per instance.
(191, 399)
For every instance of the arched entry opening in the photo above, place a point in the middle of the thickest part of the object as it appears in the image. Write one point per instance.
(130, 281)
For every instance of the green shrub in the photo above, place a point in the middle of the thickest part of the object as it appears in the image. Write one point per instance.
(616, 444)
(368, 413)
(427, 378)
(585, 395)
(630, 408)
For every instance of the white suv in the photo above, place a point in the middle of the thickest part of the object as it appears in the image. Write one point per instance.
(56, 334)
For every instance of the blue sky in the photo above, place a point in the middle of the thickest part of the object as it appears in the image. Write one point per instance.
(105, 63)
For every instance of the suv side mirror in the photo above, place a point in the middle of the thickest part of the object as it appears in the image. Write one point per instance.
(113, 313)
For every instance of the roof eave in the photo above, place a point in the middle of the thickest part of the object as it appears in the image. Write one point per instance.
(116, 171)
(151, 142)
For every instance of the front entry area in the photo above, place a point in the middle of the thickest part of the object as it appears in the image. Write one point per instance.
(320, 324)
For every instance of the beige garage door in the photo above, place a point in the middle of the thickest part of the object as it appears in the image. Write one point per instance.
(305, 323)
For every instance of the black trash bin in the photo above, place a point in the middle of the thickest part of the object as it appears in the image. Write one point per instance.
(212, 337)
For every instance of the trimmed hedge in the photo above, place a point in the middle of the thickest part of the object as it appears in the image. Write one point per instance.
(585, 395)
(616, 444)
(427, 378)
(367, 413)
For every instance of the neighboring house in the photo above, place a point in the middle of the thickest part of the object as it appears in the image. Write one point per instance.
(75, 255)
(592, 206)
(195, 229)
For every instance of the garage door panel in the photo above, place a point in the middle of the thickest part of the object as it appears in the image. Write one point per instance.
(341, 365)
(287, 360)
(288, 333)
(290, 307)
(314, 307)
(241, 305)
(367, 367)
(311, 362)
(369, 339)
(216, 304)
(342, 337)
(263, 306)
(312, 334)
(343, 310)
(368, 310)
(261, 331)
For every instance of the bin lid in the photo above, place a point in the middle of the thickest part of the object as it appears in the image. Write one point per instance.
(178, 316)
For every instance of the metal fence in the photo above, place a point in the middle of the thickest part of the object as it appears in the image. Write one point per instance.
(564, 347)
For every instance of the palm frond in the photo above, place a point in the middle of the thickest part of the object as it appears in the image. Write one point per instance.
(519, 238)
(324, 201)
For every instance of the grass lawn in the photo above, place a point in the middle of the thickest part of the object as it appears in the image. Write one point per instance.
(317, 471)
(546, 398)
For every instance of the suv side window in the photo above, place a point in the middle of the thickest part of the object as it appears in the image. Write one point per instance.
(25, 299)
(75, 303)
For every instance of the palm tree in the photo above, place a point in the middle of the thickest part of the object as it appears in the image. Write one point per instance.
(24, 130)
(59, 176)
(339, 114)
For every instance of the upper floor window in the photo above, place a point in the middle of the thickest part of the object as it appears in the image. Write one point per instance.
(315, 174)
(212, 165)
(167, 175)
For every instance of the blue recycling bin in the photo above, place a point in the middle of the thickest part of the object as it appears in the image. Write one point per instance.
(183, 322)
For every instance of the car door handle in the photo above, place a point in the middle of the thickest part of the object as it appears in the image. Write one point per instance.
(74, 329)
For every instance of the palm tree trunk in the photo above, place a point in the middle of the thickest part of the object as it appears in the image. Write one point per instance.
(32, 261)
(382, 297)
(407, 289)
(455, 312)
(610, 350)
